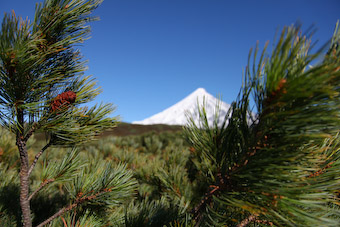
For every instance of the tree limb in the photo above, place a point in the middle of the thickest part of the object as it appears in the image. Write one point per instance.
(24, 183)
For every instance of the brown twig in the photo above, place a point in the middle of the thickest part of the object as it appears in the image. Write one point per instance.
(221, 184)
(254, 218)
(58, 214)
(31, 131)
(264, 222)
(321, 171)
(224, 182)
(81, 198)
(43, 184)
(246, 221)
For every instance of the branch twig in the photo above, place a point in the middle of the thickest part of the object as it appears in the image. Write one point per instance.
(254, 218)
(43, 184)
(221, 185)
(224, 183)
(246, 221)
(31, 131)
(81, 199)
(59, 213)
(37, 156)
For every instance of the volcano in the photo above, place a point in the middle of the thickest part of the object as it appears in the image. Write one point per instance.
(178, 113)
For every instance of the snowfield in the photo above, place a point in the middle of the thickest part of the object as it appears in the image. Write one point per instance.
(179, 112)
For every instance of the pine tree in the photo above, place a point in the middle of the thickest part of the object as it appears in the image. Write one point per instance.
(277, 164)
(42, 90)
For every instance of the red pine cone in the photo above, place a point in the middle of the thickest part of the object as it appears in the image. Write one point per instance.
(63, 99)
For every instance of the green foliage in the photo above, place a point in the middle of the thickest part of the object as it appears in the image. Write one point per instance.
(42, 90)
(8, 150)
(151, 213)
(68, 177)
(65, 170)
(158, 163)
(38, 62)
(279, 167)
(9, 196)
(107, 184)
(71, 220)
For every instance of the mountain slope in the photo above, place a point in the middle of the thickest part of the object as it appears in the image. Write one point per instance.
(177, 114)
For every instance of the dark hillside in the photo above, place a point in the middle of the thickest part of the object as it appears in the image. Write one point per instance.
(127, 129)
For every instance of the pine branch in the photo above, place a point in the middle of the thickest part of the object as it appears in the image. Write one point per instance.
(37, 156)
(43, 184)
(40, 69)
(223, 184)
(321, 171)
(87, 218)
(253, 218)
(80, 200)
(58, 214)
(248, 220)
(273, 169)
(31, 131)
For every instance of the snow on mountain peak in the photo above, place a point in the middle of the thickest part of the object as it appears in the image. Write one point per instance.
(179, 112)
(199, 91)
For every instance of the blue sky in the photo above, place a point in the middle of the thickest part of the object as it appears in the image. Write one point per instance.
(149, 54)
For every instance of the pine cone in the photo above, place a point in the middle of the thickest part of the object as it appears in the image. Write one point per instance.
(63, 101)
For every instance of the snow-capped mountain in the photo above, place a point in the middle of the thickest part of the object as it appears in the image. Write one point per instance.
(178, 113)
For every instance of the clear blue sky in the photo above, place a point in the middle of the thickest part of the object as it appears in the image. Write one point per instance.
(149, 54)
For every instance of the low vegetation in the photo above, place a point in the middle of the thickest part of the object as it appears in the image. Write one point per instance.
(153, 158)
